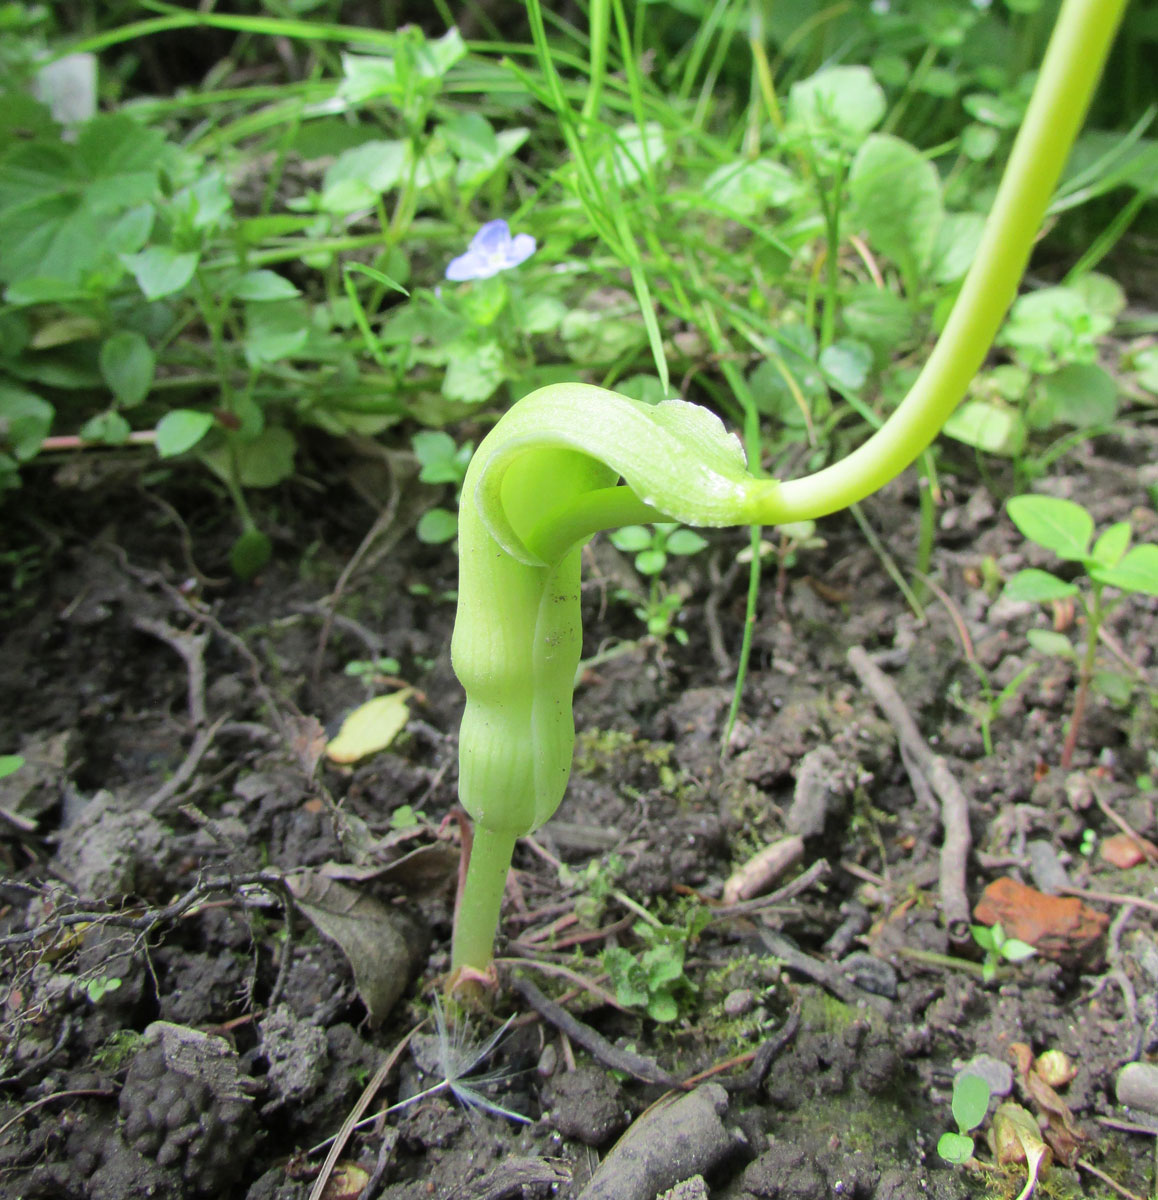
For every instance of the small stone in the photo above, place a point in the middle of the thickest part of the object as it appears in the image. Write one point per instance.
(548, 1060)
(739, 1002)
(996, 1073)
(870, 973)
(1137, 1086)
(690, 1189)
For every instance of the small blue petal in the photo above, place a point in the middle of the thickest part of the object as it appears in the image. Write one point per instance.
(523, 245)
(491, 250)
(492, 238)
(462, 268)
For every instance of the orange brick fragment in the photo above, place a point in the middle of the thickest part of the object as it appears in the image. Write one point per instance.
(1060, 927)
(1123, 851)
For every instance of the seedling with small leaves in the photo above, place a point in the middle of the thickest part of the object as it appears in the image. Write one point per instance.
(998, 949)
(1067, 529)
(651, 547)
(970, 1105)
(442, 462)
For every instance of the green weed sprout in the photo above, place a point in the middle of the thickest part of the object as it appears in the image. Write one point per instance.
(998, 948)
(970, 1105)
(652, 548)
(544, 481)
(1066, 529)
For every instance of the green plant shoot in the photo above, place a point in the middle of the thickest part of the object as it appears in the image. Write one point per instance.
(998, 949)
(544, 481)
(970, 1105)
(1066, 529)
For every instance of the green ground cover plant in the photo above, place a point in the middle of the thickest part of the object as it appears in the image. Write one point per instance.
(1066, 529)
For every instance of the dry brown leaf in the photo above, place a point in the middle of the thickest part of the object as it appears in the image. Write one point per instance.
(371, 936)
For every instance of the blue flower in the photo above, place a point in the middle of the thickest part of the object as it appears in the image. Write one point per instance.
(491, 250)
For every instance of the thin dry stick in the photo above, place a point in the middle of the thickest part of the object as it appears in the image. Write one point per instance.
(954, 803)
(1109, 897)
(1122, 1191)
(201, 743)
(29, 1108)
(191, 648)
(635, 1065)
(1145, 847)
(363, 1102)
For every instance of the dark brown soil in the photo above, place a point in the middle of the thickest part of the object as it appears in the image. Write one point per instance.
(175, 829)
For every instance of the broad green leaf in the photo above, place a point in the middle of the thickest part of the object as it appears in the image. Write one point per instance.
(1116, 687)
(359, 176)
(1051, 644)
(264, 285)
(275, 330)
(181, 430)
(685, 541)
(1137, 571)
(109, 427)
(846, 101)
(846, 364)
(1101, 294)
(1032, 586)
(127, 364)
(161, 270)
(877, 316)
(1112, 544)
(436, 451)
(1059, 525)
(989, 427)
(631, 538)
(955, 1147)
(979, 142)
(475, 372)
(1015, 950)
(370, 727)
(266, 460)
(970, 1100)
(1082, 395)
(25, 420)
(437, 526)
(1146, 368)
(751, 186)
(249, 553)
(650, 562)
(955, 246)
(10, 764)
(896, 200)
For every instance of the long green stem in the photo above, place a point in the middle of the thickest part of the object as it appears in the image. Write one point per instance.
(477, 919)
(1069, 74)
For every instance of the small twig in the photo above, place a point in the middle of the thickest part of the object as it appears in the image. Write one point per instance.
(751, 1079)
(1122, 1191)
(29, 1108)
(363, 1102)
(826, 974)
(1118, 974)
(1145, 847)
(722, 582)
(635, 1065)
(157, 800)
(954, 803)
(191, 648)
(1106, 897)
(149, 920)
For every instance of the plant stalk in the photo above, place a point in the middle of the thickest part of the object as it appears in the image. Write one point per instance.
(477, 919)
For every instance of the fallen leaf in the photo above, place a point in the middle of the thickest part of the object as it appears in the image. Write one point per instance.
(1016, 1138)
(371, 936)
(308, 738)
(347, 1181)
(370, 727)
(1060, 927)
